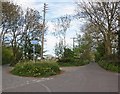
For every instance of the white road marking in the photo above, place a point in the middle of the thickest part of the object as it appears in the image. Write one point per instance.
(13, 87)
(40, 80)
(47, 88)
(30, 82)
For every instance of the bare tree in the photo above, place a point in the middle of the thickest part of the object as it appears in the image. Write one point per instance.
(31, 28)
(103, 16)
(11, 15)
(61, 26)
(118, 33)
(20, 28)
(59, 49)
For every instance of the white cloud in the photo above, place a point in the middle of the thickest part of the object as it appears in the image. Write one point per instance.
(57, 1)
(65, 9)
(60, 9)
(50, 44)
(52, 40)
(28, 4)
(23, 3)
(50, 27)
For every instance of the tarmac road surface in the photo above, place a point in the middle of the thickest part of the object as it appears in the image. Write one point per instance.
(88, 78)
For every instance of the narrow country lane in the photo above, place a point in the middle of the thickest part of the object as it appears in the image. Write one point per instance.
(88, 78)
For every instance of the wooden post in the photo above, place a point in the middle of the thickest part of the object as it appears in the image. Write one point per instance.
(43, 29)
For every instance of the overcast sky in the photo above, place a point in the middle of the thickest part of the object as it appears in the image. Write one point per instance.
(55, 9)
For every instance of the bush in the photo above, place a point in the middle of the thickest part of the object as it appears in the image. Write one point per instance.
(68, 56)
(75, 63)
(66, 60)
(8, 58)
(111, 62)
(109, 66)
(69, 59)
(16, 59)
(7, 55)
(38, 69)
(82, 62)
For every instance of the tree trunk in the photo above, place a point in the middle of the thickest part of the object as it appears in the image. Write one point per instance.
(108, 46)
(119, 42)
(119, 37)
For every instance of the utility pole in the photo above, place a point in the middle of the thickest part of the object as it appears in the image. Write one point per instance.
(43, 29)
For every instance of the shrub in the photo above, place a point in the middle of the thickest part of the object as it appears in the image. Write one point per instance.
(7, 55)
(75, 63)
(111, 62)
(66, 60)
(69, 58)
(16, 59)
(38, 69)
(109, 66)
(8, 58)
(82, 62)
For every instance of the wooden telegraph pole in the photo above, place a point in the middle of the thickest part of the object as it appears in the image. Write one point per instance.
(43, 29)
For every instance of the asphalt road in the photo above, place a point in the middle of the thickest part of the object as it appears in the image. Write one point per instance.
(88, 78)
